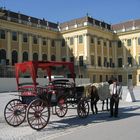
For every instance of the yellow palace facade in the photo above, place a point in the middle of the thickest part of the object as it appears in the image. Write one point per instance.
(99, 50)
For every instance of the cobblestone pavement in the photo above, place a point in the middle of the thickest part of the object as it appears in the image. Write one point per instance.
(58, 127)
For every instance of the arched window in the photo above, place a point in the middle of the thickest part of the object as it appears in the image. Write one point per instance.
(14, 57)
(44, 57)
(2, 54)
(35, 57)
(53, 58)
(25, 56)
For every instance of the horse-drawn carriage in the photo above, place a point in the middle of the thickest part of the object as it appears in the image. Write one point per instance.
(35, 101)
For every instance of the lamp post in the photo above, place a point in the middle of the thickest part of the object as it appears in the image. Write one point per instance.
(130, 94)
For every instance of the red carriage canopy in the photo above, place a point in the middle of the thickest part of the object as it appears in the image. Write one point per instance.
(32, 67)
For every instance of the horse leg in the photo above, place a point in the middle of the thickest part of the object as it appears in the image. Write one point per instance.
(92, 108)
(107, 105)
(96, 109)
(103, 102)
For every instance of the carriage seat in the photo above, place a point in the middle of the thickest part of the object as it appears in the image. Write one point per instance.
(27, 89)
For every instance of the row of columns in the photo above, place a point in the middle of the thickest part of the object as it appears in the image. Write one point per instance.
(9, 48)
(86, 52)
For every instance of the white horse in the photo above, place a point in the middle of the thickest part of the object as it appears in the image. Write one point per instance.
(103, 92)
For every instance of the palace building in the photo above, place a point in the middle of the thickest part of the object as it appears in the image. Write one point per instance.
(99, 50)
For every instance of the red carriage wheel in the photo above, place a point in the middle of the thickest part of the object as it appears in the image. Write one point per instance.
(62, 108)
(38, 114)
(83, 108)
(15, 112)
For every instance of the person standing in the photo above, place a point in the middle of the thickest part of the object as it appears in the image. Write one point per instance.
(115, 90)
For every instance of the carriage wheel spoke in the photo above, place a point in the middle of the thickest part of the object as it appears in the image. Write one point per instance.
(10, 109)
(61, 110)
(43, 118)
(20, 118)
(83, 109)
(10, 116)
(32, 119)
(44, 111)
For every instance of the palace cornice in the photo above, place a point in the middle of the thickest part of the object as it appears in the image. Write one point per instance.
(6, 23)
(128, 32)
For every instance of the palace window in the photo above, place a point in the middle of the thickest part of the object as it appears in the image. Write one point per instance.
(44, 42)
(94, 78)
(80, 39)
(105, 61)
(104, 43)
(35, 41)
(44, 57)
(101, 78)
(110, 62)
(119, 62)
(92, 40)
(106, 77)
(25, 38)
(120, 78)
(129, 76)
(2, 55)
(63, 43)
(71, 41)
(129, 60)
(25, 56)
(52, 43)
(99, 61)
(35, 57)
(99, 42)
(53, 58)
(138, 40)
(119, 44)
(110, 44)
(128, 42)
(63, 59)
(14, 36)
(2, 34)
(92, 60)
(14, 57)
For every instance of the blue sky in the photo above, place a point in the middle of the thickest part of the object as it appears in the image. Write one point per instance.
(110, 11)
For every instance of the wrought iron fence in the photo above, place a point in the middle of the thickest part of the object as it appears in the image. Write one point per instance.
(7, 71)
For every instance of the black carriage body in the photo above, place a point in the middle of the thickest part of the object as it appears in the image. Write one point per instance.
(58, 90)
(62, 89)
